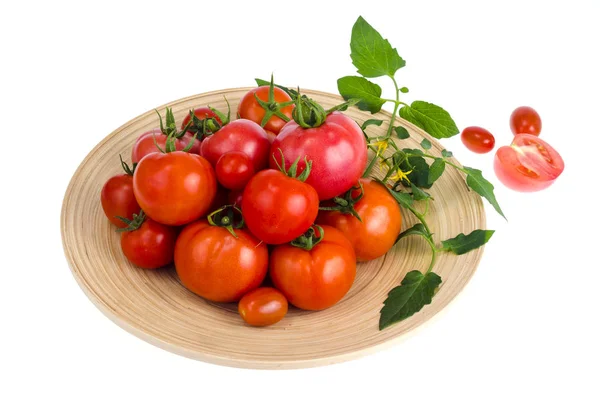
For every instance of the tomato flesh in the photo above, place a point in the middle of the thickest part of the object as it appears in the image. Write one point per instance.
(477, 139)
(529, 164)
(263, 306)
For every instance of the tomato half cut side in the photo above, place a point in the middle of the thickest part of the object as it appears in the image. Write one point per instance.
(529, 164)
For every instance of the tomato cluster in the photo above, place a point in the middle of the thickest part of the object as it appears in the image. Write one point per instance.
(230, 202)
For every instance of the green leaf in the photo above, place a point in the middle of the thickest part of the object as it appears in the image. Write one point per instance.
(404, 90)
(416, 152)
(415, 291)
(292, 93)
(404, 199)
(462, 244)
(436, 169)
(420, 172)
(360, 88)
(426, 144)
(419, 194)
(372, 55)
(446, 153)
(415, 230)
(431, 118)
(371, 122)
(483, 187)
(401, 132)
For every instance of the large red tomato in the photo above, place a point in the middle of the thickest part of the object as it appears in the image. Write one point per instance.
(174, 188)
(249, 108)
(529, 164)
(380, 223)
(214, 264)
(278, 208)
(337, 149)
(316, 278)
(239, 135)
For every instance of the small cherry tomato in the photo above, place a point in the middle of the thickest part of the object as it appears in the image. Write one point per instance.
(477, 139)
(117, 197)
(147, 243)
(234, 170)
(249, 108)
(381, 220)
(525, 120)
(529, 164)
(317, 276)
(201, 113)
(263, 306)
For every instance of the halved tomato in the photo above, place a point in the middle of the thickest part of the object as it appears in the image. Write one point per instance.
(529, 164)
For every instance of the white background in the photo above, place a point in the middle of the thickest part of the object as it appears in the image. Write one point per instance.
(73, 72)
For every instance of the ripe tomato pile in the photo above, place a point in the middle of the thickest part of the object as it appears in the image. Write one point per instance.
(266, 210)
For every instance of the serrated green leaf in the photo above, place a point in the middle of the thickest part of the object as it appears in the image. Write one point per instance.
(415, 291)
(462, 244)
(419, 172)
(372, 55)
(446, 153)
(369, 122)
(415, 230)
(483, 187)
(426, 144)
(401, 132)
(431, 118)
(436, 169)
(418, 194)
(351, 87)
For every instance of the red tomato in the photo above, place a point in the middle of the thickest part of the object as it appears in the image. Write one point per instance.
(529, 164)
(174, 188)
(525, 120)
(263, 306)
(337, 148)
(145, 144)
(234, 170)
(250, 109)
(235, 198)
(477, 139)
(381, 221)
(318, 278)
(214, 264)
(202, 113)
(117, 199)
(278, 208)
(150, 244)
(239, 135)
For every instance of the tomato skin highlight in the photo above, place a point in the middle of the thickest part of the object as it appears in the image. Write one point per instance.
(380, 226)
(239, 135)
(315, 279)
(250, 109)
(525, 120)
(217, 266)
(263, 306)
(234, 170)
(174, 188)
(117, 199)
(529, 164)
(145, 144)
(337, 149)
(278, 208)
(477, 139)
(202, 113)
(151, 246)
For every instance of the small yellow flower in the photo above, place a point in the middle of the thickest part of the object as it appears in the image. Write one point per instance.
(381, 146)
(400, 175)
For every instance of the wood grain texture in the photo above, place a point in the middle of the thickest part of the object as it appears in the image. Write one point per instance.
(154, 306)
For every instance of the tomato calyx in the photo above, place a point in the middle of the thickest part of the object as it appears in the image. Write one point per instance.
(170, 144)
(226, 217)
(309, 114)
(134, 223)
(210, 125)
(309, 239)
(272, 107)
(128, 170)
(169, 127)
(345, 203)
(293, 170)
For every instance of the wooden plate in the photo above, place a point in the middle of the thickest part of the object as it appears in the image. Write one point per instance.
(154, 306)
